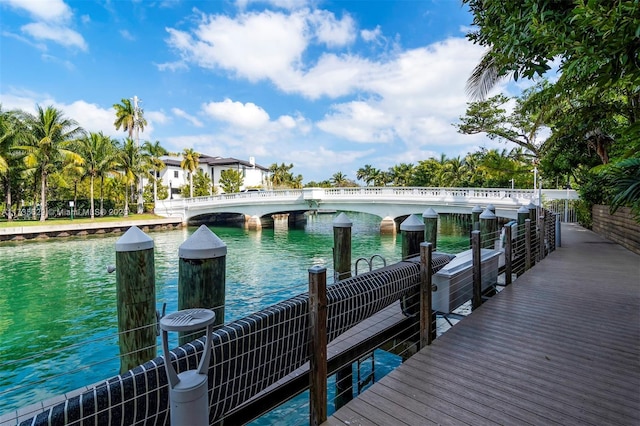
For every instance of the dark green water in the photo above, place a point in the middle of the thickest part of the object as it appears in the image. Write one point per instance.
(58, 319)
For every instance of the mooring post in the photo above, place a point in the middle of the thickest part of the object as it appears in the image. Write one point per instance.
(533, 213)
(136, 298)
(527, 244)
(318, 345)
(508, 255)
(427, 316)
(476, 252)
(342, 269)
(202, 276)
(476, 211)
(430, 218)
(412, 230)
(342, 246)
(491, 208)
(488, 229)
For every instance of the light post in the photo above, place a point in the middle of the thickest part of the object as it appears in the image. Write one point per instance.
(512, 182)
(535, 180)
(71, 205)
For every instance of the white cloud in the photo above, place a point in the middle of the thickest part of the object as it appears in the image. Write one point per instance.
(50, 10)
(374, 35)
(126, 34)
(358, 122)
(190, 118)
(59, 34)
(247, 115)
(282, 4)
(331, 31)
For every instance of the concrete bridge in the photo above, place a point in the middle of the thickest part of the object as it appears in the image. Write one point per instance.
(388, 203)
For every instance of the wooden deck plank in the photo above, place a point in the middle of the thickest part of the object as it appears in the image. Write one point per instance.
(561, 345)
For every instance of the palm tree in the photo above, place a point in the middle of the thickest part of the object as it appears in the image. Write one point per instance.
(129, 166)
(154, 151)
(365, 173)
(10, 134)
(453, 172)
(190, 163)
(339, 179)
(107, 162)
(401, 174)
(92, 148)
(129, 118)
(48, 146)
(281, 175)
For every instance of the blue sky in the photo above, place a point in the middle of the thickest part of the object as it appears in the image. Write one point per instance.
(326, 85)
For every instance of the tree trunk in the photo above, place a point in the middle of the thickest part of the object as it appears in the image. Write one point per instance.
(155, 188)
(191, 184)
(101, 195)
(92, 204)
(43, 197)
(8, 198)
(126, 200)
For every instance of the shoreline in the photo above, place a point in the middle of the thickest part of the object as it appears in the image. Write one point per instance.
(44, 232)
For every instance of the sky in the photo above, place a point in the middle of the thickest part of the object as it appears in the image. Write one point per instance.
(328, 86)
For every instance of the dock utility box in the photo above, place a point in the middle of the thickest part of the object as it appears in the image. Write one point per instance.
(455, 280)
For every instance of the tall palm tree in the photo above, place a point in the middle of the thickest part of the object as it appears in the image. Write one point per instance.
(153, 152)
(91, 148)
(365, 173)
(129, 166)
(190, 163)
(339, 179)
(108, 158)
(10, 134)
(128, 118)
(51, 135)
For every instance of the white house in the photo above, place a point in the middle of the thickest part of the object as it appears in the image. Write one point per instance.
(174, 176)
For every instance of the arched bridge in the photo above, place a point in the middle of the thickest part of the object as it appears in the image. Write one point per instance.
(385, 202)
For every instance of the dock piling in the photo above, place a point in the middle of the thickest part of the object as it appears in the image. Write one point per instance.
(318, 345)
(136, 298)
(202, 276)
(430, 217)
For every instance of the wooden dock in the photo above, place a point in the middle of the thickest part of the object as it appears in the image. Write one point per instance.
(559, 346)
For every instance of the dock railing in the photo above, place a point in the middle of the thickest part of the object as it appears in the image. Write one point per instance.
(251, 354)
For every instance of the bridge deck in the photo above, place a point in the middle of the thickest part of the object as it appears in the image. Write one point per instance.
(560, 346)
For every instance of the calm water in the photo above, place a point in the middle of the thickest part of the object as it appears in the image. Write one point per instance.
(58, 319)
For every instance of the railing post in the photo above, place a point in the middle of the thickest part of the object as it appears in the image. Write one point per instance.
(430, 218)
(527, 244)
(136, 296)
(202, 276)
(427, 317)
(542, 235)
(342, 269)
(318, 345)
(523, 215)
(508, 255)
(476, 300)
(558, 232)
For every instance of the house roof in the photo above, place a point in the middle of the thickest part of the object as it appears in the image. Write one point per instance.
(215, 161)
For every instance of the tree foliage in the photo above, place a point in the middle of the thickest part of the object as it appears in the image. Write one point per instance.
(231, 180)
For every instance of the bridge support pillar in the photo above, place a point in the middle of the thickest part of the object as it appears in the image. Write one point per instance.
(253, 223)
(388, 225)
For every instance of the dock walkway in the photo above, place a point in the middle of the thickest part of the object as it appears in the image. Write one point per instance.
(559, 346)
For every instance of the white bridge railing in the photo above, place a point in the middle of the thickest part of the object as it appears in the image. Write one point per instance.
(309, 198)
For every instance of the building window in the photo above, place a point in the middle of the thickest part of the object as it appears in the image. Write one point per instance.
(175, 173)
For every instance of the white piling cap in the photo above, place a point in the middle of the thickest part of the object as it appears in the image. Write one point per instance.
(531, 206)
(491, 207)
(412, 223)
(202, 244)
(342, 221)
(487, 214)
(430, 214)
(476, 209)
(134, 240)
(523, 209)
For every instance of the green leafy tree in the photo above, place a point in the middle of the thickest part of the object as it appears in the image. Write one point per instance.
(130, 168)
(108, 157)
(92, 148)
(401, 174)
(128, 118)
(231, 180)
(11, 132)
(281, 176)
(339, 180)
(189, 163)
(366, 174)
(49, 145)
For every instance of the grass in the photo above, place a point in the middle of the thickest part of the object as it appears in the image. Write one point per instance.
(65, 221)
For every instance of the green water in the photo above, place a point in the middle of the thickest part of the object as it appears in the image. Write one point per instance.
(58, 319)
